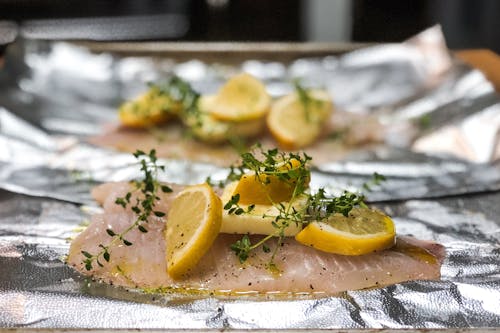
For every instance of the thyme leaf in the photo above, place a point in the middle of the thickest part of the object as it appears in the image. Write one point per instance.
(376, 180)
(182, 92)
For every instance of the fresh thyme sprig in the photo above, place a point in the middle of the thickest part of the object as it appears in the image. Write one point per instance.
(182, 92)
(233, 207)
(290, 168)
(287, 167)
(242, 248)
(318, 206)
(304, 97)
(376, 180)
(143, 207)
(307, 100)
(179, 90)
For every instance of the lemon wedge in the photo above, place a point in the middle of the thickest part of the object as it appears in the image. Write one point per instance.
(151, 108)
(293, 124)
(194, 221)
(363, 231)
(210, 129)
(259, 220)
(267, 189)
(242, 98)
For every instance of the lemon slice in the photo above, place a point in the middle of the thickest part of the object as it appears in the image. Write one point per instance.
(210, 129)
(259, 220)
(267, 189)
(206, 127)
(151, 108)
(363, 231)
(262, 190)
(242, 98)
(193, 223)
(293, 124)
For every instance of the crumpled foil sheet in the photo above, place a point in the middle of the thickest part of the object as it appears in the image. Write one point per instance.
(67, 169)
(55, 94)
(38, 290)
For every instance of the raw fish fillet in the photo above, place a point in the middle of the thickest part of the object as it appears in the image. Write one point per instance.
(170, 142)
(302, 269)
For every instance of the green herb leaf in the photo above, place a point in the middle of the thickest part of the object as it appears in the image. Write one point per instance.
(242, 248)
(318, 206)
(88, 265)
(121, 202)
(86, 254)
(304, 97)
(166, 189)
(143, 207)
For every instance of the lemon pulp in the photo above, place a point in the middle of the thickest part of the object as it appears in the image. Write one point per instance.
(265, 189)
(363, 231)
(259, 220)
(295, 125)
(193, 223)
(242, 98)
(210, 129)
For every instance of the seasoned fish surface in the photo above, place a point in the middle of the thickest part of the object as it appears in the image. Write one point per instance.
(300, 269)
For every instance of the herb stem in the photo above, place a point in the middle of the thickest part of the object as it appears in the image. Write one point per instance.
(318, 206)
(143, 207)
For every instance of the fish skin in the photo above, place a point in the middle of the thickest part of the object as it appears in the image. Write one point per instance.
(302, 269)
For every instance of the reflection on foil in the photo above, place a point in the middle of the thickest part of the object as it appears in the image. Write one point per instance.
(426, 99)
(12, 307)
(467, 139)
(415, 88)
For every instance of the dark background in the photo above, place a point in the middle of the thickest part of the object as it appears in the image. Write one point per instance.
(466, 23)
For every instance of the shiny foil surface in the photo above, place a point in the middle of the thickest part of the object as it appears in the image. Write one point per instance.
(443, 184)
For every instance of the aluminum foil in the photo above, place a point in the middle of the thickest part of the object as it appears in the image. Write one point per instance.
(416, 89)
(38, 290)
(443, 184)
(67, 169)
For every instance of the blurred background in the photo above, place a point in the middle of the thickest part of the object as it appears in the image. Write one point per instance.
(466, 24)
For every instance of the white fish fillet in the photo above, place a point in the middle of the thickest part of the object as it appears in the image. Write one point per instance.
(170, 142)
(303, 269)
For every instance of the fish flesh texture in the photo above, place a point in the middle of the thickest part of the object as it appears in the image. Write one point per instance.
(301, 269)
(343, 133)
